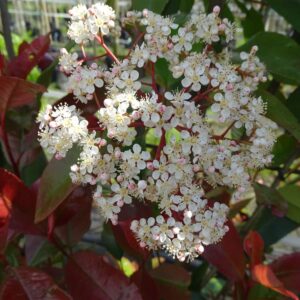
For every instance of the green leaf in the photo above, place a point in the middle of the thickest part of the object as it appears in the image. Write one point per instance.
(288, 9)
(186, 5)
(279, 113)
(55, 184)
(283, 149)
(269, 196)
(293, 103)
(171, 8)
(273, 228)
(291, 194)
(163, 74)
(156, 6)
(253, 23)
(280, 54)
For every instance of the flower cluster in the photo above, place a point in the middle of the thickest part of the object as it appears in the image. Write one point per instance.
(192, 157)
(86, 23)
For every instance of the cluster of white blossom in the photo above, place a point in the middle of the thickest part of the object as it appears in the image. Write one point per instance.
(86, 23)
(192, 157)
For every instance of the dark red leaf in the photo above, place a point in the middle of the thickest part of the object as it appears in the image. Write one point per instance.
(146, 284)
(287, 270)
(29, 56)
(19, 201)
(16, 92)
(90, 276)
(228, 255)
(264, 275)
(124, 235)
(30, 283)
(172, 281)
(2, 64)
(254, 247)
(73, 217)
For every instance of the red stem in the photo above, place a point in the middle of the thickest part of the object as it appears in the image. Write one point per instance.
(161, 145)
(108, 51)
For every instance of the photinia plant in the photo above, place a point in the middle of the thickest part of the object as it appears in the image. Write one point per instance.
(169, 144)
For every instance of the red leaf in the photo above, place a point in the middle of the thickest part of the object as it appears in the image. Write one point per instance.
(29, 56)
(2, 64)
(124, 235)
(254, 247)
(228, 255)
(72, 217)
(172, 281)
(30, 283)
(287, 270)
(17, 92)
(89, 276)
(146, 284)
(17, 206)
(264, 275)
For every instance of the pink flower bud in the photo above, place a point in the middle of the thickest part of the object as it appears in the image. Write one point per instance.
(216, 10)
(120, 203)
(150, 166)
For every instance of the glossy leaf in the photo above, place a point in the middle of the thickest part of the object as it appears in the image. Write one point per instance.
(56, 184)
(16, 92)
(29, 56)
(90, 276)
(290, 10)
(228, 255)
(265, 276)
(30, 283)
(279, 113)
(291, 194)
(285, 59)
(287, 269)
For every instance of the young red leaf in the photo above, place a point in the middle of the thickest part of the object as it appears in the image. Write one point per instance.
(228, 255)
(2, 64)
(264, 275)
(16, 92)
(17, 206)
(31, 283)
(287, 270)
(254, 247)
(55, 185)
(29, 56)
(90, 276)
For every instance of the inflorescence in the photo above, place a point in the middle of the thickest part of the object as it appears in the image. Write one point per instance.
(190, 155)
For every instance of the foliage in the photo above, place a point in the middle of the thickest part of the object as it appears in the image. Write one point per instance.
(43, 216)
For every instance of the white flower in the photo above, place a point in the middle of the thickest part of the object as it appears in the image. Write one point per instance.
(128, 80)
(137, 158)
